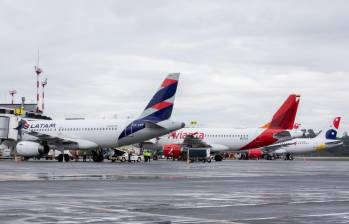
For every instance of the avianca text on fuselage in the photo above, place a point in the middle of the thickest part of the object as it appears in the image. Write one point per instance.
(183, 135)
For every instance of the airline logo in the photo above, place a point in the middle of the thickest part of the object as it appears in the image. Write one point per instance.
(159, 108)
(39, 125)
(285, 116)
(182, 135)
(336, 122)
(25, 124)
(332, 132)
(296, 126)
(320, 148)
(22, 124)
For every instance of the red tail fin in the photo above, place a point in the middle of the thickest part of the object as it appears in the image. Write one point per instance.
(284, 118)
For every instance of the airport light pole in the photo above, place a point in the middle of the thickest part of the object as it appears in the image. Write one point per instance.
(12, 93)
(43, 84)
(38, 71)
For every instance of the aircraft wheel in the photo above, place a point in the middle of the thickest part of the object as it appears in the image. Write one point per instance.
(218, 158)
(60, 158)
(66, 158)
(289, 157)
(97, 156)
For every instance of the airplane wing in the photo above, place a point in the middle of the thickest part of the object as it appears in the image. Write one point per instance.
(194, 142)
(50, 139)
(271, 148)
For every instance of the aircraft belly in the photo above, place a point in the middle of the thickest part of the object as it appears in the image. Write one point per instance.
(105, 140)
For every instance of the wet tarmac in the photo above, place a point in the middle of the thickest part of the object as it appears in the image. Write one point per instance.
(300, 191)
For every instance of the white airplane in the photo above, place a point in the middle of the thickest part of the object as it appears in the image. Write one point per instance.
(39, 136)
(233, 139)
(322, 141)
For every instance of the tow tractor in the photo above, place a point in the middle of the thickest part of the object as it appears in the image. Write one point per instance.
(123, 156)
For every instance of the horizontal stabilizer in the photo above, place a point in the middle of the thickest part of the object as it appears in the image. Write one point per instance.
(150, 124)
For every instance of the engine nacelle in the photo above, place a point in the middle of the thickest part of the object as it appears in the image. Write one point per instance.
(172, 150)
(30, 149)
(255, 153)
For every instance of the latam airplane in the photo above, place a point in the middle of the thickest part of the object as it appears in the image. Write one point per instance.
(322, 141)
(39, 136)
(232, 139)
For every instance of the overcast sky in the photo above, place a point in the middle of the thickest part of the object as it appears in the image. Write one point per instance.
(239, 60)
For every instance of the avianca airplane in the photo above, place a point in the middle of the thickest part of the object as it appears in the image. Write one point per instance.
(39, 136)
(232, 139)
(321, 142)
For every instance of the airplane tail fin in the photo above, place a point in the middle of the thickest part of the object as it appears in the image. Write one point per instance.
(161, 105)
(285, 116)
(331, 131)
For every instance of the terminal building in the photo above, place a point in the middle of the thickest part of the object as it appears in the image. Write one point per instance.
(23, 110)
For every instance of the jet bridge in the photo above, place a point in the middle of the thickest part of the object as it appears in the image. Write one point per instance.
(8, 124)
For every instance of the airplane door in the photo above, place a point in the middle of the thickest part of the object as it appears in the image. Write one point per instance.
(129, 129)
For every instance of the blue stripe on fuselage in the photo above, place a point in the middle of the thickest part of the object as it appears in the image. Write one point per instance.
(138, 124)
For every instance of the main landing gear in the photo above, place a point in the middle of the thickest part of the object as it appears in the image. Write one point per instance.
(97, 155)
(63, 156)
(289, 157)
(218, 158)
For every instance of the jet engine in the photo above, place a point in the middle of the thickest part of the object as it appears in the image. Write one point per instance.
(255, 153)
(30, 149)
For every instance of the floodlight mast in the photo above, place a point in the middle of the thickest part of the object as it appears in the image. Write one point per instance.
(12, 93)
(43, 84)
(38, 71)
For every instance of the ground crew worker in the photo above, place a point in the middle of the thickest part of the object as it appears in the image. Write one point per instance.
(84, 157)
(146, 155)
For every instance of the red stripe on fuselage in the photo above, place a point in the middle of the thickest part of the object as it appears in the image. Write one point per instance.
(168, 82)
(162, 105)
(264, 139)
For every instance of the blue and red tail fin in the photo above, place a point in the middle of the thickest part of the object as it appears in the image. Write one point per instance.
(285, 116)
(161, 105)
(331, 131)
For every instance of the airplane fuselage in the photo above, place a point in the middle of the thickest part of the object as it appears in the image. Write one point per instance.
(306, 145)
(97, 133)
(225, 139)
